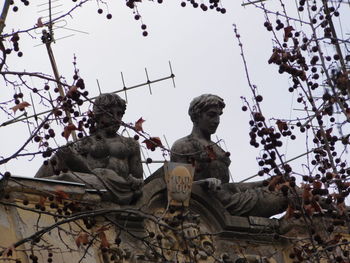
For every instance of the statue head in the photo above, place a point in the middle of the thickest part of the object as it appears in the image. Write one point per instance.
(202, 103)
(106, 101)
(108, 111)
(205, 111)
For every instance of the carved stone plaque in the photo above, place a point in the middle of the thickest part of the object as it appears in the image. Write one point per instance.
(179, 179)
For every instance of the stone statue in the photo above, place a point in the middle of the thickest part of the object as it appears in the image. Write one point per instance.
(212, 162)
(103, 160)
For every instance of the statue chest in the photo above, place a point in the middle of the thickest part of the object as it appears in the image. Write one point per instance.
(109, 148)
(211, 161)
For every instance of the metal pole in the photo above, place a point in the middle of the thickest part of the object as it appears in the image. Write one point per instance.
(48, 40)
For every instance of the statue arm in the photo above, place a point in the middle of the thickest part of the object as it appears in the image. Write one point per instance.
(73, 160)
(245, 186)
(135, 161)
(66, 158)
(46, 170)
(180, 152)
(54, 166)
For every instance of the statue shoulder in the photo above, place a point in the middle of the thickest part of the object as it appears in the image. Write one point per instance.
(182, 150)
(183, 145)
(83, 145)
(131, 143)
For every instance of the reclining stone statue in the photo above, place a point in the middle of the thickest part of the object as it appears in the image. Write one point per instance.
(103, 160)
(212, 162)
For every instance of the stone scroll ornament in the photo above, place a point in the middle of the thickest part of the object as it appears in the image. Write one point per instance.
(179, 180)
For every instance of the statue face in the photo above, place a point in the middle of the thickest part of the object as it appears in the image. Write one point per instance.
(110, 121)
(209, 120)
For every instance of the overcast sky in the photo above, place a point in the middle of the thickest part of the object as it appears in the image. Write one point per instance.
(204, 55)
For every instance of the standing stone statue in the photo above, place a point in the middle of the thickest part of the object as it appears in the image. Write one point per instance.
(212, 162)
(103, 160)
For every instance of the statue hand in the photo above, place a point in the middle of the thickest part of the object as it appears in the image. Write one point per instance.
(65, 153)
(136, 183)
(214, 184)
(72, 160)
(211, 184)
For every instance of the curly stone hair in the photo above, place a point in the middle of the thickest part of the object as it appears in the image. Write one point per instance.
(106, 101)
(202, 103)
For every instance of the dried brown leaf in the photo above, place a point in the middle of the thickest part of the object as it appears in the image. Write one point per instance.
(316, 206)
(20, 106)
(39, 23)
(102, 228)
(309, 210)
(42, 201)
(210, 151)
(104, 241)
(274, 57)
(8, 252)
(347, 111)
(279, 186)
(72, 90)
(302, 75)
(287, 31)
(138, 125)
(317, 184)
(282, 125)
(306, 194)
(274, 181)
(61, 195)
(341, 208)
(152, 143)
(68, 130)
(329, 132)
(289, 212)
(82, 239)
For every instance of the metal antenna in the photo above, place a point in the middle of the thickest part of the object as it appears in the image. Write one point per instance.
(33, 105)
(49, 11)
(148, 82)
(166, 141)
(218, 140)
(124, 87)
(252, 2)
(144, 157)
(172, 74)
(99, 87)
(47, 39)
(26, 114)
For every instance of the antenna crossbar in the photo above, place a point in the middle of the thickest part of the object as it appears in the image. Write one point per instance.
(172, 76)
